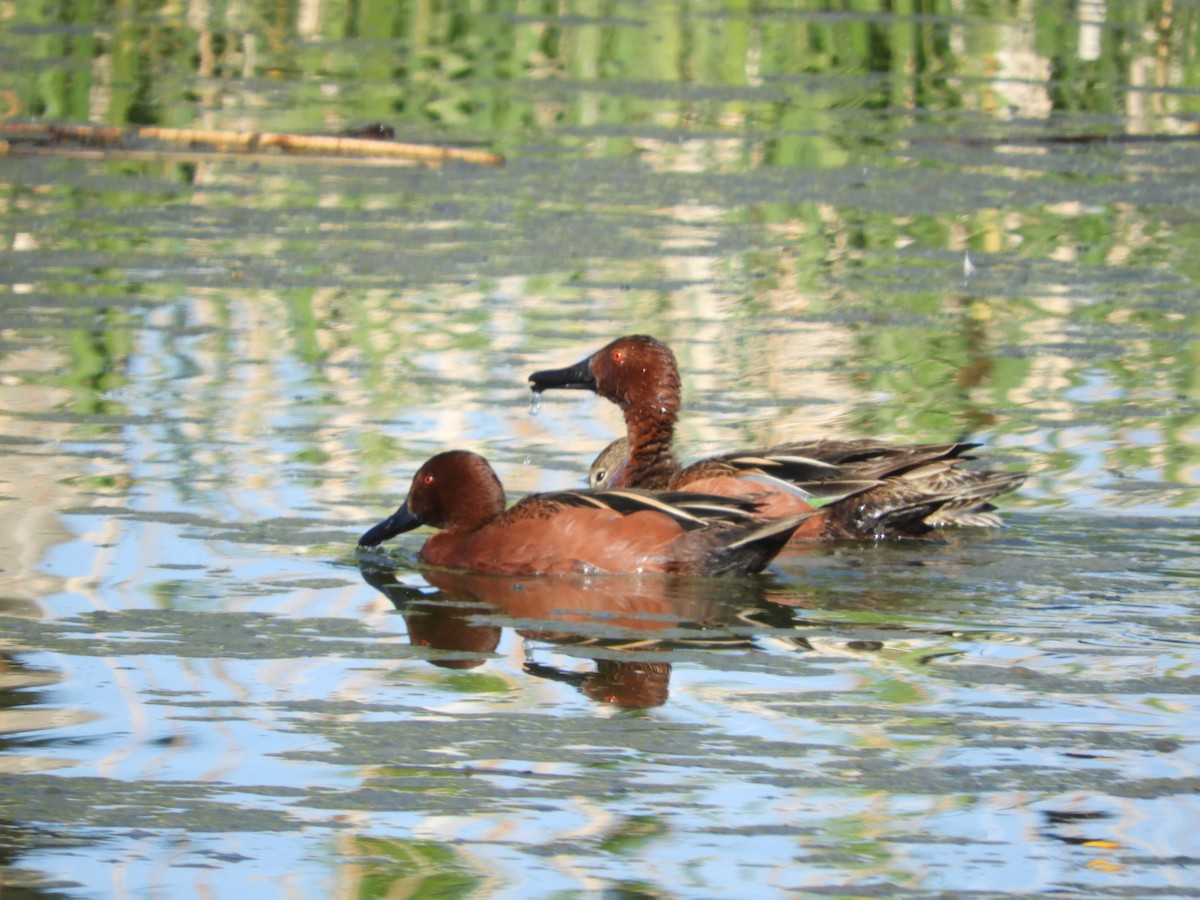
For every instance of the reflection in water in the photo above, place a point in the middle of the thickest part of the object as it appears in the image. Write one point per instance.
(208, 368)
(625, 625)
(780, 194)
(633, 684)
(25, 710)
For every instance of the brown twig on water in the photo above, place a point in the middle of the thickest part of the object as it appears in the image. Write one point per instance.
(254, 142)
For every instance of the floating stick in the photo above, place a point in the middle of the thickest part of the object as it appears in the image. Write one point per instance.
(256, 142)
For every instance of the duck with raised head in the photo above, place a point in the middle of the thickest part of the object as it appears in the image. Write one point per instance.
(639, 373)
(578, 532)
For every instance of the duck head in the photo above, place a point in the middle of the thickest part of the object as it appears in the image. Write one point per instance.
(636, 372)
(455, 491)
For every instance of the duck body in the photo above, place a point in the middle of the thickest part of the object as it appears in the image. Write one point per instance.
(640, 375)
(788, 474)
(579, 532)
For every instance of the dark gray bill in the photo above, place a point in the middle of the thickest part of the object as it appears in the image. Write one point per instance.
(576, 377)
(397, 523)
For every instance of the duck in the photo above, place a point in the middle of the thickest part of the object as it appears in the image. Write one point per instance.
(827, 469)
(578, 532)
(639, 374)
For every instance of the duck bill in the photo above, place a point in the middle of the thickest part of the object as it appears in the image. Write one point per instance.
(577, 377)
(397, 523)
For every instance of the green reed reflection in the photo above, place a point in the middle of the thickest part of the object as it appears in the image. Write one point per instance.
(98, 363)
(602, 64)
(408, 868)
(828, 165)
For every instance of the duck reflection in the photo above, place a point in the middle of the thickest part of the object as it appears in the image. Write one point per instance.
(631, 684)
(626, 626)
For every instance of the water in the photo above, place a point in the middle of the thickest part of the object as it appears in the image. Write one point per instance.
(216, 372)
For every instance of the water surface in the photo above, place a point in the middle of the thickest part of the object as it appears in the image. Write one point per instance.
(945, 222)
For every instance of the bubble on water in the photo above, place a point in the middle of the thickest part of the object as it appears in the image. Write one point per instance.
(535, 403)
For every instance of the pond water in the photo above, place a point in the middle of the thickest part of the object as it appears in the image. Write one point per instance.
(919, 222)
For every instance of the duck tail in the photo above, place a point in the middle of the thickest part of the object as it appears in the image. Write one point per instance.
(912, 505)
(751, 547)
(970, 493)
(888, 512)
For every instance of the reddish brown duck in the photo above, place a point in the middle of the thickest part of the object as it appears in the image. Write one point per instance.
(573, 532)
(627, 531)
(640, 375)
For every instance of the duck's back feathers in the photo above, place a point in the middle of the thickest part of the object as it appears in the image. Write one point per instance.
(691, 509)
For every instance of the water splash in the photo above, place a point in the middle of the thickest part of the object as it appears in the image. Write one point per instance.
(535, 403)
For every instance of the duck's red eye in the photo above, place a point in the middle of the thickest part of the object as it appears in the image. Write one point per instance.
(618, 355)
(427, 479)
